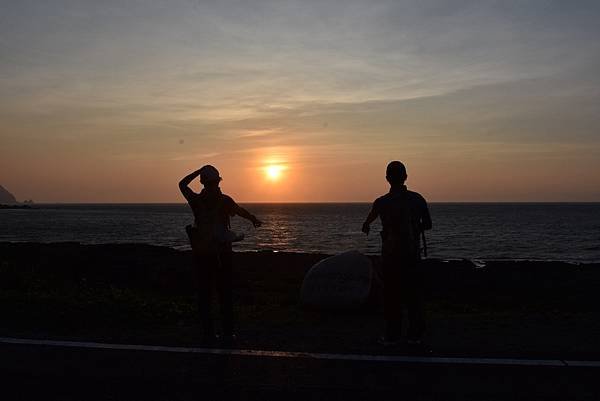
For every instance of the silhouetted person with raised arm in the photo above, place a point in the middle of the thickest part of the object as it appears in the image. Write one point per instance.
(404, 216)
(211, 240)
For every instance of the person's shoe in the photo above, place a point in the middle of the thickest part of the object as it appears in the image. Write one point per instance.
(227, 340)
(388, 341)
(419, 347)
(208, 340)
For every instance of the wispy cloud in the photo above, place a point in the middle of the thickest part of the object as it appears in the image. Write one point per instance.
(330, 83)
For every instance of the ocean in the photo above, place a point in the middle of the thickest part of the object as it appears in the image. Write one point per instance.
(478, 231)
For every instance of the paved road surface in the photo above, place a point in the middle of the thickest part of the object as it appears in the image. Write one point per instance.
(91, 371)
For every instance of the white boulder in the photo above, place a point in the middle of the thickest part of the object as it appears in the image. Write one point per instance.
(341, 281)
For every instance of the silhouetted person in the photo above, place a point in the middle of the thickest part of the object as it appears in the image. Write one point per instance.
(404, 216)
(211, 240)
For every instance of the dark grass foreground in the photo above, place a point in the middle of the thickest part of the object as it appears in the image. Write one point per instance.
(144, 294)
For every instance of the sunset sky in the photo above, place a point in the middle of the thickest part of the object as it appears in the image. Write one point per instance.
(115, 101)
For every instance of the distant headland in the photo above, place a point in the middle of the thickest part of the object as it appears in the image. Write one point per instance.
(8, 200)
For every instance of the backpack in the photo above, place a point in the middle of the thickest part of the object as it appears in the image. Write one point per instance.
(401, 238)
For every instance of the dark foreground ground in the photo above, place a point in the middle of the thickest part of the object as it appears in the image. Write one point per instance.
(141, 294)
(77, 374)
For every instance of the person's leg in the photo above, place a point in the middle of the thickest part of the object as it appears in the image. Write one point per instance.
(415, 304)
(225, 290)
(392, 300)
(204, 283)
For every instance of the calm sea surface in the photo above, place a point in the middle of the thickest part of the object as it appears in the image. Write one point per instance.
(562, 231)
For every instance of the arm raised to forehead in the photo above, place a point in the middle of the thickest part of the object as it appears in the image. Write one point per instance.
(185, 182)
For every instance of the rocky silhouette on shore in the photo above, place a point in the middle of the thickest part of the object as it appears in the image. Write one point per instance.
(136, 294)
(6, 198)
(8, 201)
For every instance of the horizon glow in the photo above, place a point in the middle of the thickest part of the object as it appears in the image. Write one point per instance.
(300, 102)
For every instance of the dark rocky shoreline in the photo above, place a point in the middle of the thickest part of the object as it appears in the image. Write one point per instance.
(18, 206)
(143, 293)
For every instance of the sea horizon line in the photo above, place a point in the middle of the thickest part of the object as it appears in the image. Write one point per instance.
(306, 203)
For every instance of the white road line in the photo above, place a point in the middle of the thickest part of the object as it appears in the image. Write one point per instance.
(583, 364)
(304, 355)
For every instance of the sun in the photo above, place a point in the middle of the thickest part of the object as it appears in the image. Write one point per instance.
(273, 172)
